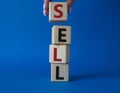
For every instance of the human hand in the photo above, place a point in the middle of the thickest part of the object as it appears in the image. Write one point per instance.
(46, 6)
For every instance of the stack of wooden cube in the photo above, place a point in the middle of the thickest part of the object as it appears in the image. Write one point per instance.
(59, 51)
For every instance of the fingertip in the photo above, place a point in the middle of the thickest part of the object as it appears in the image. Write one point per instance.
(45, 13)
(45, 9)
(69, 9)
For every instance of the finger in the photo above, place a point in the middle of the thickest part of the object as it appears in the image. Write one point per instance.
(70, 3)
(46, 7)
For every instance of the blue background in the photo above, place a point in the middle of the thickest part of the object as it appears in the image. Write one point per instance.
(25, 36)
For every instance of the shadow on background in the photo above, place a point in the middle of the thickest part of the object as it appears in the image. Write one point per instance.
(94, 76)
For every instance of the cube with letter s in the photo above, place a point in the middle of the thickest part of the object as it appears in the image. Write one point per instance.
(57, 11)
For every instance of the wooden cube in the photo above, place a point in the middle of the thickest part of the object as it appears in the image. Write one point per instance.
(59, 53)
(57, 11)
(59, 72)
(61, 34)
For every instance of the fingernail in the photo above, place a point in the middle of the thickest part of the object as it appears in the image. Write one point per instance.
(44, 13)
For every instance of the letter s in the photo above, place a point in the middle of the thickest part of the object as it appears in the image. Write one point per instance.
(59, 11)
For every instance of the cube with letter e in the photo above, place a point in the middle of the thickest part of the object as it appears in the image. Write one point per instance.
(61, 34)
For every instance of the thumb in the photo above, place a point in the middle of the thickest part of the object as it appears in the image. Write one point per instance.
(70, 3)
(46, 7)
